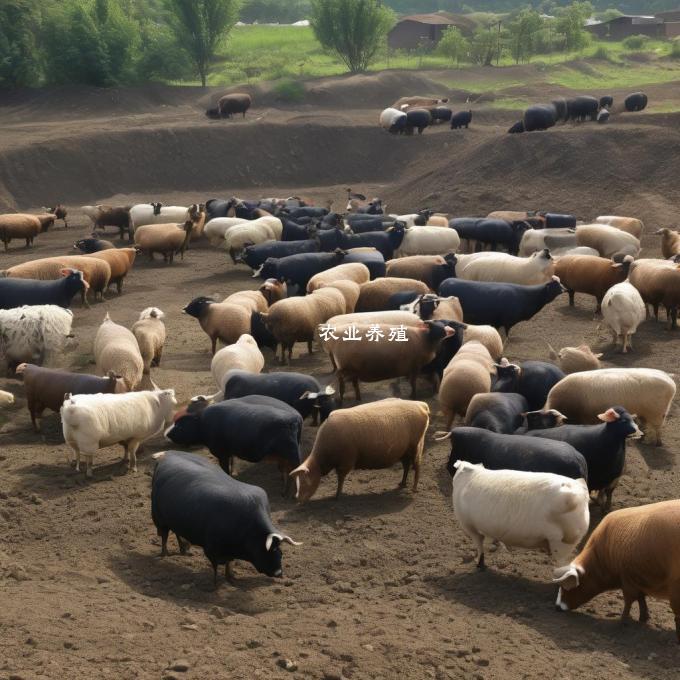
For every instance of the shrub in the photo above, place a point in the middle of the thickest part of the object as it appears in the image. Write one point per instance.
(675, 50)
(602, 53)
(290, 91)
(635, 42)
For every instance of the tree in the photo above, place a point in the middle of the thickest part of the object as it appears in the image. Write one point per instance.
(19, 54)
(484, 47)
(199, 25)
(354, 30)
(570, 22)
(523, 34)
(454, 45)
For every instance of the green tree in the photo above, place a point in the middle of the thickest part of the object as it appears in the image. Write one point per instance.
(484, 47)
(19, 54)
(354, 30)
(454, 45)
(570, 23)
(524, 34)
(200, 25)
(608, 14)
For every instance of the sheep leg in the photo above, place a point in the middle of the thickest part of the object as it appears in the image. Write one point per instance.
(164, 533)
(213, 341)
(229, 573)
(414, 379)
(119, 285)
(357, 393)
(624, 347)
(644, 610)
(630, 596)
(341, 480)
(571, 294)
(90, 459)
(290, 354)
(132, 463)
(183, 545)
(310, 349)
(341, 388)
(406, 463)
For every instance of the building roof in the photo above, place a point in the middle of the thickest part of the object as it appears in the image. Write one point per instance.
(633, 19)
(429, 19)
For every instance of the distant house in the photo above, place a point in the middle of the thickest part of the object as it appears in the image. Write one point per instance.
(627, 25)
(671, 22)
(413, 31)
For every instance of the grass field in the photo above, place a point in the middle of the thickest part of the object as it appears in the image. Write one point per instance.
(257, 53)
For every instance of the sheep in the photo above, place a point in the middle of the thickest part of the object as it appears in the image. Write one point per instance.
(535, 219)
(658, 282)
(166, 239)
(120, 260)
(536, 510)
(670, 242)
(110, 216)
(150, 333)
(6, 399)
(468, 373)
(116, 349)
(534, 240)
(576, 359)
(607, 240)
(630, 225)
(96, 272)
(438, 220)
(577, 250)
(296, 319)
(380, 352)
(94, 421)
(252, 300)
(503, 268)
(350, 291)
(216, 228)
(16, 292)
(623, 310)
(375, 295)
(591, 275)
(353, 271)
(428, 241)
(19, 225)
(250, 233)
(60, 213)
(157, 213)
(405, 103)
(243, 355)
(35, 334)
(223, 321)
(646, 392)
(389, 317)
(366, 437)
(487, 336)
(46, 220)
(430, 269)
(87, 246)
(393, 120)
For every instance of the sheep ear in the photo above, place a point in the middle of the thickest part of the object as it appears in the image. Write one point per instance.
(609, 416)
(329, 390)
(301, 469)
(568, 577)
(309, 395)
(599, 354)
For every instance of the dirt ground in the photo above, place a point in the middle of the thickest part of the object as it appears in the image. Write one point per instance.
(385, 584)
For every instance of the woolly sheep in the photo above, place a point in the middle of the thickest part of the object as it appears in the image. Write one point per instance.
(428, 241)
(166, 239)
(623, 310)
(96, 272)
(6, 398)
(150, 334)
(487, 336)
(630, 225)
(216, 228)
(252, 300)
(438, 220)
(390, 317)
(606, 240)
(120, 260)
(352, 271)
(468, 373)
(157, 213)
(243, 355)
(375, 295)
(576, 359)
(430, 269)
(109, 216)
(250, 233)
(392, 120)
(21, 226)
(646, 392)
(367, 437)
(670, 242)
(534, 240)
(350, 291)
(297, 319)
(116, 349)
(35, 334)
(223, 321)
(577, 250)
(658, 282)
(503, 268)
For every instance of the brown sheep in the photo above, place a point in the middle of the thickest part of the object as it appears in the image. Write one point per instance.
(670, 242)
(630, 225)
(636, 550)
(253, 300)
(352, 271)
(468, 373)
(658, 282)
(60, 213)
(417, 102)
(576, 359)
(116, 349)
(96, 272)
(430, 269)
(20, 225)
(46, 220)
(273, 290)
(166, 239)
(591, 275)
(350, 291)
(235, 102)
(382, 352)
(108, 216)
(375, 295)
(297, 319)
(223, 321)
(367, 437)
(120, 260)
(487, 336)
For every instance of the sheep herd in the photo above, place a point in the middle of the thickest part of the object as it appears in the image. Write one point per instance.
(384, 296)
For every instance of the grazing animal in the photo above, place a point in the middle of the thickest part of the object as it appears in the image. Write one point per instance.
(532, 379)
(635, 102)
(21, 226)
(60, 213)
(461, 119)
(630, 225)
(94, 421)
(539, 117)
(646, 392)
(120, 260)
(535, 510)
(150, 333)
(393, 120)
(235, 102)
(92, 245)
(116, 349)
(371, 436)
(243, 355)
(576, 359)
(375, 295)
(501, 267)
(607, 240)
(166, 239)
(670, 242)
(18, 292)
(6, 398)
(46, 387)
(417, 119)
(110, 216)
(496, 412)
(516, 127)
(658, 282)
(404, 103)
(634, 550)
(203, 506)
(299, 269)
(623, 310)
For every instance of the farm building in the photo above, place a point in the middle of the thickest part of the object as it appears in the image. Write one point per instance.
(413, 31)
(625, 26)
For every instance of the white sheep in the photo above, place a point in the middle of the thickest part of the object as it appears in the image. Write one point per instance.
(536, 510)
(501, 267)
(34, 334)
(534, 240)
(390, 117)
(6, 398)
(623, 310)
(150, 334)
(243, 355)
(157, 213)
(428, 241)
(216, 228)
(93, 421)
(252, 232)
(631, 225)
(116, 349)
(607, 240)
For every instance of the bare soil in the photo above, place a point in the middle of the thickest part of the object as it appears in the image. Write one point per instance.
(385, 584)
